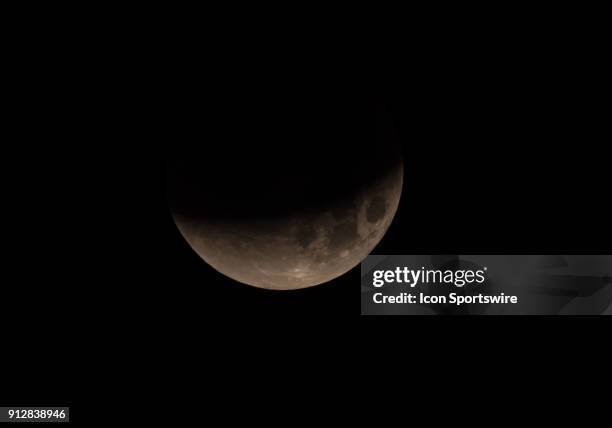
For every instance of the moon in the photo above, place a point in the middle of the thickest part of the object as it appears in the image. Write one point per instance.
(285, 216)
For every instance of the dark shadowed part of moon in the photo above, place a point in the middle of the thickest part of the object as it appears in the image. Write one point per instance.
(297, 205)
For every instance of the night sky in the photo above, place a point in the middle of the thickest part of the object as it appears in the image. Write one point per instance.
(486, 171)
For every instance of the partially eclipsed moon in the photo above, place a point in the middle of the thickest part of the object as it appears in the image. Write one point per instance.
(299, 249)
(299, 203)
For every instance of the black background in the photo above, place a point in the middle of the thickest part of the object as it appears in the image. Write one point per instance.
(504, 147)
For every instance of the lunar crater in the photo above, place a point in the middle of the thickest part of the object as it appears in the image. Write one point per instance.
(377, 209)
(306, 235)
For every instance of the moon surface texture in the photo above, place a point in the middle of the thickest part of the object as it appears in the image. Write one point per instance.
(285, 216)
